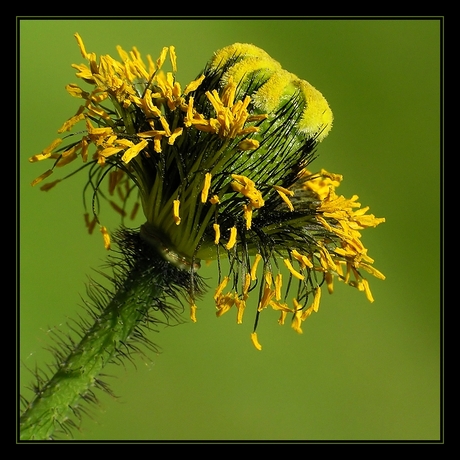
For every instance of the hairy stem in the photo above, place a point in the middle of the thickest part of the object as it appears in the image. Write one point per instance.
(143, 282)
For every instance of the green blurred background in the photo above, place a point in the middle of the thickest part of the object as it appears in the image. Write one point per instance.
(360, 371)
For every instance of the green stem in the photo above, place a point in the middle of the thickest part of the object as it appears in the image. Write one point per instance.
(143, 287)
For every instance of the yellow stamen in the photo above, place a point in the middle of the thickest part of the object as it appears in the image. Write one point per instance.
(232, 239)
(176, 133)
(329, 282)
(294, 272)
(266, 297)
(46, 153)
(282, 317)
(316, 299)
(283, 193)
(247, 284)
(75, 91)
(248, 215)
(177, 219)
(278, 284)
(373, 271)
(240, 305)
(106, 237)
(81, 46)
(206, 186)
(307, 313)
(162, 58)
(221, 287)
(49, 185)
(255, 341)
(193, 309)
(173, 57)
(268, 278)
(282, 308)
(216, 228)
(157, 143)
(286, 191)
(367, 290)
(257, 259)
(214, 199)
(302, 259)
(248, 144)
(68, 125)
(246, 187)
(41, 177)
(134, 151)
(224, 303)
(193, 85)
(297, 319)
(165, 125)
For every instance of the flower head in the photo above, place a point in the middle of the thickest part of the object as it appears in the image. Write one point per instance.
(220, 171)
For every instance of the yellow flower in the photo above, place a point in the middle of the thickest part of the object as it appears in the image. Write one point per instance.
(219, 170)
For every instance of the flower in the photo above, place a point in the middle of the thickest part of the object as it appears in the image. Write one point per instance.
(220, 171)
